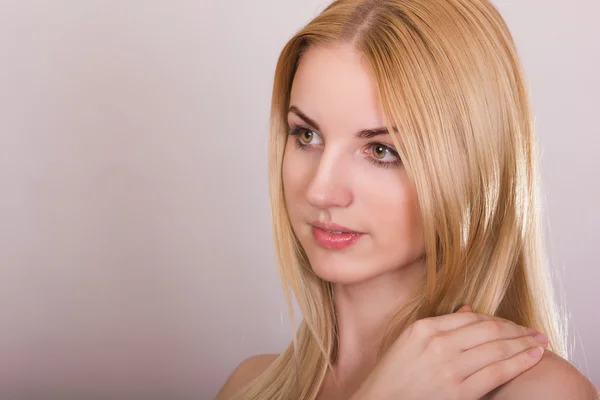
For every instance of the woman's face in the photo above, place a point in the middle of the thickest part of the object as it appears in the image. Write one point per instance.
(341, 172)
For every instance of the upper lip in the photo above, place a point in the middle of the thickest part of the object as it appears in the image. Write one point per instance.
(331, 227)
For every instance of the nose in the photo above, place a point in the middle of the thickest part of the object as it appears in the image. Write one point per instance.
(330, 184)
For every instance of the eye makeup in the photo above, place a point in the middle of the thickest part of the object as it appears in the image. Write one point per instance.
(304, 138)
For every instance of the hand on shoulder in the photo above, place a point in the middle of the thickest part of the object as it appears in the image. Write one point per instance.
(248, 369)
(553, 378)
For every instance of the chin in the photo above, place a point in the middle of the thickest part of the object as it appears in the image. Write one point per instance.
(341, 268)
(332, 276)
(356, 267)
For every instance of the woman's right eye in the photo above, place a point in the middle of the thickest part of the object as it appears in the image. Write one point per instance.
(305, 137)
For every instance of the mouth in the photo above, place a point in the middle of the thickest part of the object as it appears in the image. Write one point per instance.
(332, 228)
(333, 236)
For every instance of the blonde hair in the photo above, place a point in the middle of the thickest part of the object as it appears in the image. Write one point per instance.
(453, 91)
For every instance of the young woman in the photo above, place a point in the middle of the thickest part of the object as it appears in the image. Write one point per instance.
(404, 183)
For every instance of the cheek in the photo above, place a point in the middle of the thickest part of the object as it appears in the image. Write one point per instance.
(294, 175)
(395, 208)
(411, 223)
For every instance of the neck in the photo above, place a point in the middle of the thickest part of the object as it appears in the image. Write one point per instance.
(363, 311)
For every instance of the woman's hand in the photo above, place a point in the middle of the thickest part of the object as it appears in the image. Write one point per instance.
(463, 356)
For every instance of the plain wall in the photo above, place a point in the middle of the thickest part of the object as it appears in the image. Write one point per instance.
(136, 258)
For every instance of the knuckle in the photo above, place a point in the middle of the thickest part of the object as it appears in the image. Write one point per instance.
(471, 317)
(507, 321)
(494, 327)
(521, 330)
(502, 350)
(529, 342)
(423, 326)
(436, 345)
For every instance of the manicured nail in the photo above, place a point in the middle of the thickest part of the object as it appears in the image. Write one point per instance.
(536, 352)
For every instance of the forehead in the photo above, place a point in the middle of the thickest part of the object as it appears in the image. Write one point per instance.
(334, 86)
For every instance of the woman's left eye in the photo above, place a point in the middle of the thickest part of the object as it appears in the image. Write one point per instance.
(383, 154)
(379, 151)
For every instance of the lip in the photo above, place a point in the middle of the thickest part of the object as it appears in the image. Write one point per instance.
(322, 233)
(330, 226)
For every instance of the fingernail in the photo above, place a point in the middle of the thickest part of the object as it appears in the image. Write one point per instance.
(541, 338)
(535, 352)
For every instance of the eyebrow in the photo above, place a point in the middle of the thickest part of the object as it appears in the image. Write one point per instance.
(362, 134)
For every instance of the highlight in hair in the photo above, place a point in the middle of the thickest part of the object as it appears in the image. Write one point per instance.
(452, 89)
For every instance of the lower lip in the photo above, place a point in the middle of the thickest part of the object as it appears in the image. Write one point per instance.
(335, 241)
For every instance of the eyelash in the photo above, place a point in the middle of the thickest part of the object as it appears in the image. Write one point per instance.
(295, 131)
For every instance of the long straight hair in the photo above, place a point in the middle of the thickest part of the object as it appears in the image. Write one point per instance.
(454, 95)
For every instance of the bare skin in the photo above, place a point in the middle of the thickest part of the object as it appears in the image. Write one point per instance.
(552, 378)
(357, 182)
(333, 174)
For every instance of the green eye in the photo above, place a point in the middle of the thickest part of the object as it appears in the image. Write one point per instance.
(306, 137)
(378, 151)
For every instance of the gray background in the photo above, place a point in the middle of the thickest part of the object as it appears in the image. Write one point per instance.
(136, 256)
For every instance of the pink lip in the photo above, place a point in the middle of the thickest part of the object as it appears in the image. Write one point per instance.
(322, 232)
(330, 226)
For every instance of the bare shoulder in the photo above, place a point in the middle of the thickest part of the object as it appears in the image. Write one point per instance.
(248, 369)
(552, 378)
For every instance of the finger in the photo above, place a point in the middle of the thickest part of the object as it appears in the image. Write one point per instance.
(449, 322)
(461, 307)
(476, 334)
(465, 308)
(486, 354)
(489, 378)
